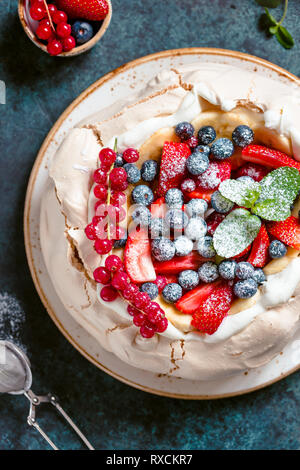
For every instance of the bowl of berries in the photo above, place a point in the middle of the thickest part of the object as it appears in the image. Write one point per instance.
(65, 28)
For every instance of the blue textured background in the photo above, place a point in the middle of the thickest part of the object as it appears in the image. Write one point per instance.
(39, 88)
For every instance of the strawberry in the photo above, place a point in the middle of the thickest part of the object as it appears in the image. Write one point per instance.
(259, 253)
(214, 175)
(137, 257)
(287, 231)
(213, 220)
(236, 160)
(172, 167)
(243, 253)
(268, 157)
(254, 170)
(170, 278)
(192, 300)
(179, 263)
(93, 10)
(159, 208)
(200, 194)
(213, 309)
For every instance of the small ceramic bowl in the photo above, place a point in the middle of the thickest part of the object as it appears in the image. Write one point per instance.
(30, 26)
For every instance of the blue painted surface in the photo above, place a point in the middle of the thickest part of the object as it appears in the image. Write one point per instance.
(39, 88)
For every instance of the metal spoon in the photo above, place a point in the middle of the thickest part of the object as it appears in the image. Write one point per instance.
(16, 379)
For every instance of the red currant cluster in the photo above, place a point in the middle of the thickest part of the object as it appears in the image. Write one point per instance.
(147, 315)
(53, 27)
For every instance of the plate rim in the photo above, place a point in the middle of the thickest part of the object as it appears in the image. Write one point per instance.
(31, 183)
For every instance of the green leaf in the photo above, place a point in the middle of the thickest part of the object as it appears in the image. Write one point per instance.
(271, 18)
(284, 37)
(236, 233)
(269, 3)
(282, 185)
(272, 209)
(242, 193)
(273, 29)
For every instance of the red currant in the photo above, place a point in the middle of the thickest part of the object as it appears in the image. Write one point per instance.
(153, 308)
(130, 292)
(107, 158)
(101, 230)
(103, 246)
(131, 155)
(141, 300)
(63, 30)
(108, 294)
(147, 330)
(54, 47)
(44, 32)
(101, 209)
(37, 12)
(45, 22)
(116, 214)
(161, 283)
(68, 43)
(161, 325)
(100, 192)
(132, 311)
(120, 280)
(59, 17)
(90, 232)
(118, 198)
(155, 316)
(100, 176)
(192, 142)
(117, 233)
(102, 275)
(118, 177)
(139, 319)
(113, 263)
(52, 9)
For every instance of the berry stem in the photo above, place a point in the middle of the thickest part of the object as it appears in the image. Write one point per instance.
(109, 191)
(285, 12)
(49, 16)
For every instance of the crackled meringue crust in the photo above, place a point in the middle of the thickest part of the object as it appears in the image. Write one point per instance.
(215, 92)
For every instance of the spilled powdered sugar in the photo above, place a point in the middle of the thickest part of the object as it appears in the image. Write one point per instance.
(12, 318)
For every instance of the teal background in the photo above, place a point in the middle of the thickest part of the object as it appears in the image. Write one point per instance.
(39, 87)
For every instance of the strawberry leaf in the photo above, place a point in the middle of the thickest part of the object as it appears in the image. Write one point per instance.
(284, 37)
(236, 233)
(242, 193)
(272, 209)
(282, 184)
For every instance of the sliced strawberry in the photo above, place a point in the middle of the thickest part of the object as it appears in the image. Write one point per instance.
(243, 253)
(236, 160)
(192, 300)
(200, 194)
(254, 170)
(287, 231)
(213, 220)
(137, 257)
(259, 253)
(159, 208)
(268, 157)
(172, 167)
(179, 263)
(214, 175)
(170, 278)
(213, 309)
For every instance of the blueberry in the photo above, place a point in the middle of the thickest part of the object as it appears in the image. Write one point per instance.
(206, 135)
(163, 249)
(158, 228)
(208, 272)
(150, 288)
(245, 289)
(197, 163)
(142, 194)
(227, 269)
(183, 246)
(176, 219)
(245, 179)
(244, 270)
(242, 136)
(141, 215)
(196, 207)
(184, 130)
(119, 161)
(120, 243)
(149, 170)
(259, 276)
(82, 31)
(188, 279)
(203, 149)
(277, 249)
(174, 198)
(196, 228)
(220, 203)
(133, 173)
(205, 247)
(172, 292)
(222, 148)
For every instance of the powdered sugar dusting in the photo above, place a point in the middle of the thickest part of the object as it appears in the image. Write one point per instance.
(12, 318)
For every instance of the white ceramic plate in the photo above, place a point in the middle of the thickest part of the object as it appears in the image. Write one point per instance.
(104, 92)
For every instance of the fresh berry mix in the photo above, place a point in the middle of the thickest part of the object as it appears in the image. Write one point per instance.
(57, 32)
(199, 238)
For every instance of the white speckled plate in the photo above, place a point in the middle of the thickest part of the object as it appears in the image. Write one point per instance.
(107, 90)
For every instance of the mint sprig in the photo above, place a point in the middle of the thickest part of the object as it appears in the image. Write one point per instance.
(275, 27)
(242, 193)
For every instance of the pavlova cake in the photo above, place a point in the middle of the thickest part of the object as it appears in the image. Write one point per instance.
(170, 225)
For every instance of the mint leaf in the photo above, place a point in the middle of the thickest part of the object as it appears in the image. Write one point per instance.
(284, 37)
(282, 185)
(271, 18)
(272, 209)
(269, 3)
(273, 29)
(242, 193)
(235, 233)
